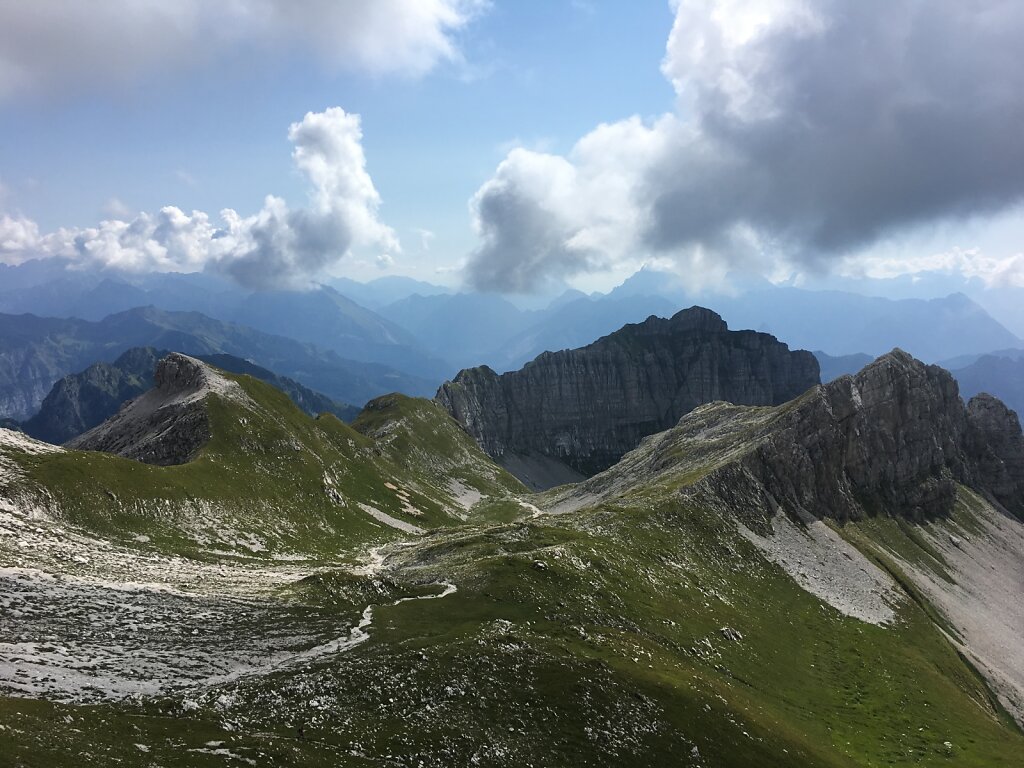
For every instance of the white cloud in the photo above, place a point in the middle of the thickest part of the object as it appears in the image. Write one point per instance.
(19, 239)
(115, 208)
(802, 132)
(275, 247)
(994, 272)
(427, 238)
(48, 45)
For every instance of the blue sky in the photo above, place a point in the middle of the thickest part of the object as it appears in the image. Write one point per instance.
(537, 73)
(805, 143)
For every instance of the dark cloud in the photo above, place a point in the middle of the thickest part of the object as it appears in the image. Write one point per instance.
(803, 132)
(893, 113)
(524, 246)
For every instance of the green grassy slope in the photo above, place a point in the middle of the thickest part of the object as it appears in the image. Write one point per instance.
(643, 628)
(592, 639)
(273, 480)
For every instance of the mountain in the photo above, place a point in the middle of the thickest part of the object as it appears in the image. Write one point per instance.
(379, 293)
(585, 408)
(912, 479)
(36, 352)
(963, 361)
(894, 439)
(242, 449)
(170, 423)
(91, 295)
(81, 401)
(845, 323)
(829, 583)
(466, 328)
(997, 375)
(320, 316)
(331, 321)
(832, 366)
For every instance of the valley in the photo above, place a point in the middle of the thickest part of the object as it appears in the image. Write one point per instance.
(496, 384)
(187, 615)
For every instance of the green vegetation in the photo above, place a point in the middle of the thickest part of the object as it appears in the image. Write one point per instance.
(272, 480)
(644, 630)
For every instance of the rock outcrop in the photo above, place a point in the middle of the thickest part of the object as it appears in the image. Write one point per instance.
(587, 407)
(889, 440)
(168, 424)
(81, 401)
(996, 446)
(895, 439)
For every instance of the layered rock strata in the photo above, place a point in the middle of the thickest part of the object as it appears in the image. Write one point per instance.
(587, 407)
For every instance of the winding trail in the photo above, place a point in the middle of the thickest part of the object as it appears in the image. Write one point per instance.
(356, 636)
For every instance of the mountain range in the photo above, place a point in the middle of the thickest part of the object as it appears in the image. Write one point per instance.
(424, 330)
(578, 411)
(35, 352)
(828, 581)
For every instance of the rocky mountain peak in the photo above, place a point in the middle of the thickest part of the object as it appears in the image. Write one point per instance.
(582, 409)
(692, 320)
(178, 373)
(895, 438)
(168, 424)
(996, 445)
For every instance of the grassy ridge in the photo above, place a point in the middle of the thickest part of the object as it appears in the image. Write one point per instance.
(645, 630)
(274, 476)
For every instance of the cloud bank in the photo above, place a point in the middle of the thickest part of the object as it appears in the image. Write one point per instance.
(58, 45)
(276, 247)
(802, 132)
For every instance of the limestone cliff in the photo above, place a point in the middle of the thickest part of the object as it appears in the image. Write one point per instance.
(895, 439)
(169, 423)
(587, 407)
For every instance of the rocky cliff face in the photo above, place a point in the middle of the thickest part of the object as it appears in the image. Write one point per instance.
(895, 439)
(890, 439)
(995, 444)
(169, 423)
(83, 400)
(587, 407)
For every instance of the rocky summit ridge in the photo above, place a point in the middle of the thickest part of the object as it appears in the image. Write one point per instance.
(304, 591)
(168, 424)
(587, 407)
(894, 439)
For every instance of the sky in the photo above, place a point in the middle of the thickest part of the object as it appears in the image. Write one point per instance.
(516, 146)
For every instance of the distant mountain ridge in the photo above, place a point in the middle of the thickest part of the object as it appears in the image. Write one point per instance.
(35, 352)
(429, 332)
(586, 407)
(320, 315)
(834, 366)
(995, 375)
